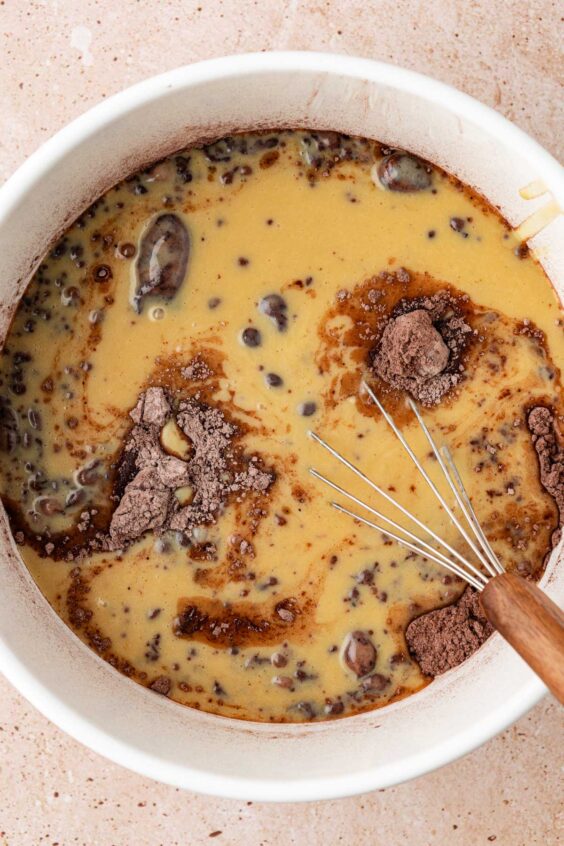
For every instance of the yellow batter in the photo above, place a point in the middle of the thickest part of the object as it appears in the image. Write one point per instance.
(281, 217)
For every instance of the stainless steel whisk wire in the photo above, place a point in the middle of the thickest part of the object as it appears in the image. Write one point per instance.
(481, 547)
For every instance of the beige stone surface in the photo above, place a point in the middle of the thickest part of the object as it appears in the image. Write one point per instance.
(53, 791)
(58, 57)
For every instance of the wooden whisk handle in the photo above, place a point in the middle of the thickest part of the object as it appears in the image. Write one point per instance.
(531, 623)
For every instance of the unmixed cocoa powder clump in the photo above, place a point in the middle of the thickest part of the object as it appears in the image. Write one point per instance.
(442, 639)
(197, 370)
(214, 470)
(147, 477)
(548, 445)
(421, 346)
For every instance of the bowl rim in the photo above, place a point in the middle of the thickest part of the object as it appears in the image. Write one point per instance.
(61, 145)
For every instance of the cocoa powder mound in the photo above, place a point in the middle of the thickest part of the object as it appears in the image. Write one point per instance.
(421, 346)
(213, 467)
(152, 409)
(548, 445)
(146, 474)
(147, 477)
(442, 639)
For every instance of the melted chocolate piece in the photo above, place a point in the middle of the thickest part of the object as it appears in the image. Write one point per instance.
(163, 259)
(405, 173)
(359, 653)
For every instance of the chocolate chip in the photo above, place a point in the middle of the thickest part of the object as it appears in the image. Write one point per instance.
(213, 302)
(365, 577)
(9, 437)
(307, 709)
(59, 250)
(285, 611)
(405, 173)
(458, 224)
(283, 681)
(268, 159)
(127, 250)
(70, 295)
(153, 648)
(162, 685)
(273, 380)
(242, 261)
(219, 151)
(88, 474)
(95, 316)
(251, 337)
(163, 259)
(359, 653)
(275, 307)
(74, 497)
(21, 358)
(333, 709)
(102, 273)
(301, 675)
(49, 506)
(375, 683)
(306, 409)
(278, 659)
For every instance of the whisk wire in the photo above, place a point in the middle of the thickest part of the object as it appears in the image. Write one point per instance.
(459, 499)
(452, 517)
(462, 567)
(453, 470)
(433, 555)
(423, 547)
(395, 503)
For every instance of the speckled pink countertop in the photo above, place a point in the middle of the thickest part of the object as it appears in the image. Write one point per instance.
(58, 57)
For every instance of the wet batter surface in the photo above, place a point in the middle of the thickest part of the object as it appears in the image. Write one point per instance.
(159, 381)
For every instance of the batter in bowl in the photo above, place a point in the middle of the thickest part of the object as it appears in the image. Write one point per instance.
(159, 380)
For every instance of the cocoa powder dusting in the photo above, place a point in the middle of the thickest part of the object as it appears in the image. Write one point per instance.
(443, 639)
(197, 370)
(421, 347)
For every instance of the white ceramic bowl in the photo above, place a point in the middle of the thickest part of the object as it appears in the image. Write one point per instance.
(38, 653)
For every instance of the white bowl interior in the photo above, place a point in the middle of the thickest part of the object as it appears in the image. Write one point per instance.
(39, 654)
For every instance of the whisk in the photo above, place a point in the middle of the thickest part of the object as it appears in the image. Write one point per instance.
(522, 613)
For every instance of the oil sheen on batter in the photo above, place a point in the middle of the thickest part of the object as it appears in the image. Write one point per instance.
(279, 581)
